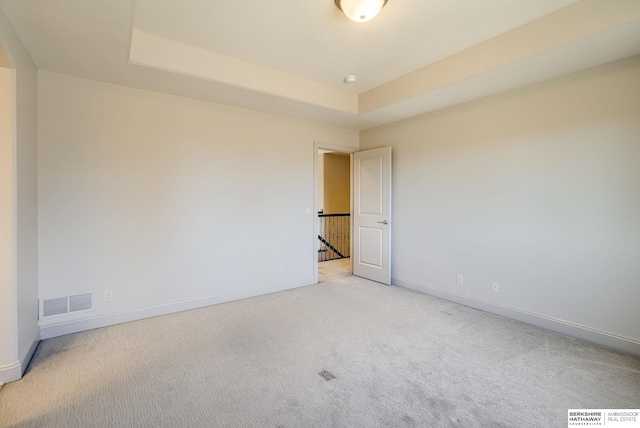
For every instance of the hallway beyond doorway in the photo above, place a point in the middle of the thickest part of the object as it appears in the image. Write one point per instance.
(334, 269)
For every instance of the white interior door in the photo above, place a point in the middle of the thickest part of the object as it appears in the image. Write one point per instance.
(372, 214)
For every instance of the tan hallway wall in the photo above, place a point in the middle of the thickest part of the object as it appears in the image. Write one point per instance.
(336, 185)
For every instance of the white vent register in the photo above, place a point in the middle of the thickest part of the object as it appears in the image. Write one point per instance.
(66, 304)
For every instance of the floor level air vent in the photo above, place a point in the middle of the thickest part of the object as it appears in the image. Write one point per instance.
(54, 306)
(67, 304)
(80, 302)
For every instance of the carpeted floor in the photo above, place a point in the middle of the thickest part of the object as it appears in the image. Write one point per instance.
(398, 358)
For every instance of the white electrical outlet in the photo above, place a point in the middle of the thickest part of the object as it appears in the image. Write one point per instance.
(108, 295)
(459, 279)
(281, 268)
(495, 287)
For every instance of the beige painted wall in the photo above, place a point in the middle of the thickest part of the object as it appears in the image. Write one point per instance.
(4, 61)
(169, 202)
(24, 173)
(8, 318)
(336, 183)
(26, 87)
(537, 189)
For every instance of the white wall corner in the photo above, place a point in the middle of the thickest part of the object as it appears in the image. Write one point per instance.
(15, 371)
(25, 359)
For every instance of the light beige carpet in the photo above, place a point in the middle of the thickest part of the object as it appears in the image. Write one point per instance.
(399, 358)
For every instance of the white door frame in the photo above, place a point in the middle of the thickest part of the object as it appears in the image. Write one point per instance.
(334, 148)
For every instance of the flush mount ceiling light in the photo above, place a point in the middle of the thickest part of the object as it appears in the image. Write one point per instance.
(360, 10)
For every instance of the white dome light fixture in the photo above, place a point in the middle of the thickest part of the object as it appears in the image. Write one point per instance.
(360, 10)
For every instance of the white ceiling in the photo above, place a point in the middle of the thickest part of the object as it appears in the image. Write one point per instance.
(312, 39)
(290, 56)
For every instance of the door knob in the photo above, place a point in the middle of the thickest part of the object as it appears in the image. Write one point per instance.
(384, 222)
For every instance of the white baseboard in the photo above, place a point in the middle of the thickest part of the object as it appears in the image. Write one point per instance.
(14, 371)
(55, 329)
(10, 372)
(569, 328)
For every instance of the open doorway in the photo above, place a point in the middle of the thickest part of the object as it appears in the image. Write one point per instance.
(369, 211)
(333, 206)
(334, 215)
